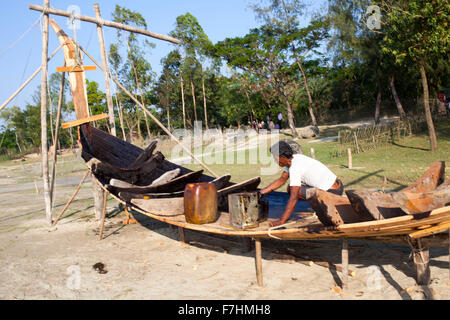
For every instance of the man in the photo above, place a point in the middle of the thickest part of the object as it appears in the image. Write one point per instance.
(280, 119)
(300, 169)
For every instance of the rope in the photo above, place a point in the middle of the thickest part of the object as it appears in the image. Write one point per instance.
(278, 227)
(12, 45)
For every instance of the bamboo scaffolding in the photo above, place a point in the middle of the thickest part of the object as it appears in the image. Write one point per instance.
(151, 115)
(4, 104)
(102, 22)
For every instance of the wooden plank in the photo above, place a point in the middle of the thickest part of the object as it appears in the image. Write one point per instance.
(429, 231)
(430, 179)
(374, 205)
(78, 122)
(331, 209)
(413, 202)
(77, 80)
(75, 68)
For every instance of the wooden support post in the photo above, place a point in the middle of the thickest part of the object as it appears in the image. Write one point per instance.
(102, 223)
(44, 134)
(99, 197)
(181, 235)
(421, 261)
(109, 102)
(258, 262)
(55, 146)
(344, 263)
(312, 153)
(71, 199)
(350, 162)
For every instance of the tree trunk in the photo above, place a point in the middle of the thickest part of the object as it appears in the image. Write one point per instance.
(401, 112)
(193, 99)
(310, 101)
(290, 116)
(204, 102)
(378, 105)
(182, 101)
(426, 104)
(124, 137)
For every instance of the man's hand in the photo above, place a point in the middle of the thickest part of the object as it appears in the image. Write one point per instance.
(277, 223)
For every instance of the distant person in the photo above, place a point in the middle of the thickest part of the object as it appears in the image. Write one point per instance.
(304, 173)
(280, 119)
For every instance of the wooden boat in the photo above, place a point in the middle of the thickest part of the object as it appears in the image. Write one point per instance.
(379, 205)
(111, 158)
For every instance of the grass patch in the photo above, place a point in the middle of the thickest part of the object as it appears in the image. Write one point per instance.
(401, 162)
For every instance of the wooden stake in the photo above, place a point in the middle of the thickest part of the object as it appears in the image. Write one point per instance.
(356, 142)
(28, 80)
(181, 235)
(344, 263)
(312, 153)
(258, 262)
(421, 261)
(55, 145)
(102, 223)
(153, 117)
(101, 41)
(349, 153)
(99, 197)
(44, 137)
(71, 199)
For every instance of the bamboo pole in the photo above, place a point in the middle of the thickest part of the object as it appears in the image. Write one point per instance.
(102, 224)
(350, 162)
(258, 262)
(344, 263)
(28, 80)
(101, 41)
(102, 22)
(55, 144)
(71, 199)
(152, 116)
(44, 134)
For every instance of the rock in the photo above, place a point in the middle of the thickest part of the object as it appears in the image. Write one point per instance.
(297, 148)
(309, 132)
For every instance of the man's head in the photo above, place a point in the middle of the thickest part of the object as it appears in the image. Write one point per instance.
(282, 152)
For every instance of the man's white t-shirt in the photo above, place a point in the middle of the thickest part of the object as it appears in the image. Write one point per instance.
(309, 171)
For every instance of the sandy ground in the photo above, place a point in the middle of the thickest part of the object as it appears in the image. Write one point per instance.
(146, 261)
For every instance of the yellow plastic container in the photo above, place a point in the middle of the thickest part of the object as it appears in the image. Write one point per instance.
(200, 203)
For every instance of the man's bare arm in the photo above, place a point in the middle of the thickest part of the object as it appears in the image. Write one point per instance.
(276, 184)
(293, 199)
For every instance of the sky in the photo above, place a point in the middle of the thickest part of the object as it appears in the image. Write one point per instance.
(21, 45)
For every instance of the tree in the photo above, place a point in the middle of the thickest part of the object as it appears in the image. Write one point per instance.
(136, 72)
(417, 31)
(196, 46)
(282, 15)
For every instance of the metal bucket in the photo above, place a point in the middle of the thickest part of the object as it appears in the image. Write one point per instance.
(247, 210)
